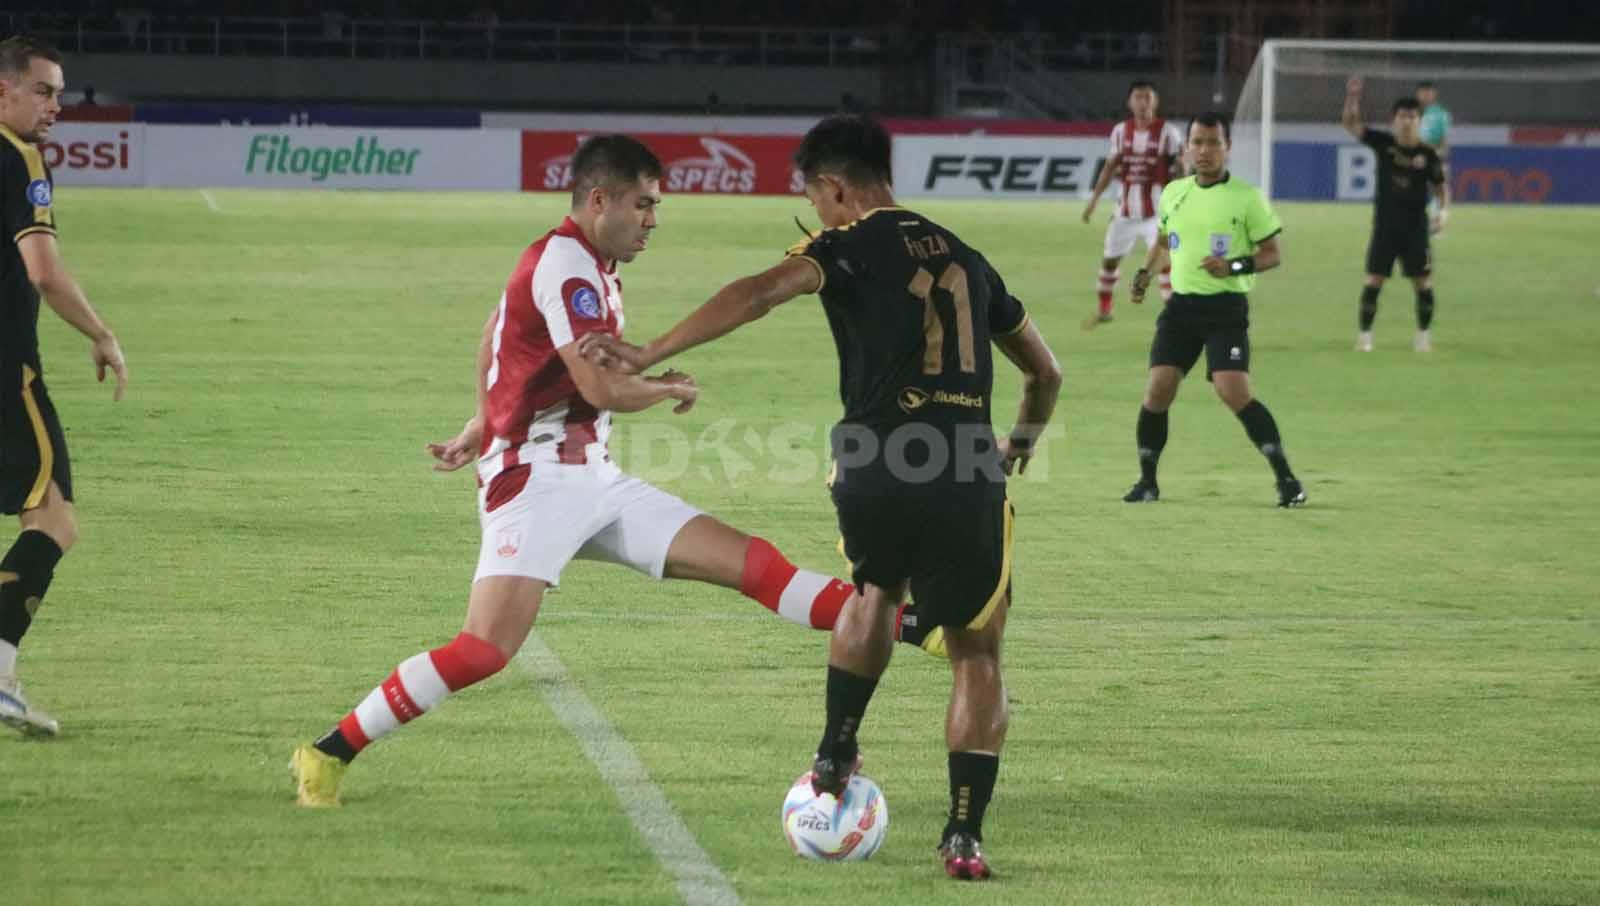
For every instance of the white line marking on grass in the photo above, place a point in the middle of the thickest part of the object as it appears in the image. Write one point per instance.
(211, 202)
(700, 883)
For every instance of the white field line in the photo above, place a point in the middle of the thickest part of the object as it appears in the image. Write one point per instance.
(700, 883)
(211, 202)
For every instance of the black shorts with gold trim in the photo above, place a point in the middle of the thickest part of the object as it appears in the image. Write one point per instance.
(33, 451)
(954, 552)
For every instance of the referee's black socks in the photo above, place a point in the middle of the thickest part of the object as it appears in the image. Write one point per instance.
(1151, 435)
(1369, 307)
(1424, 308)
(25, 575)
(1263, 433)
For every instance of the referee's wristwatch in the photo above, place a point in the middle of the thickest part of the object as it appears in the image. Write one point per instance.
(1244, 265)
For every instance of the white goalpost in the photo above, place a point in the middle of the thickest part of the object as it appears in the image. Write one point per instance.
(1296, 87)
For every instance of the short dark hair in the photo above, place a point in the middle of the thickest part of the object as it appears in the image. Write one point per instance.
(611, 162)
(1137, 84)
(1425, 84)
(17, 51)
(1213, 118)
(849, 145)
(1405, 104)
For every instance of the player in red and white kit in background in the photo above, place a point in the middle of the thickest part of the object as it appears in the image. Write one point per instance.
(548, 491)
(1146, 154)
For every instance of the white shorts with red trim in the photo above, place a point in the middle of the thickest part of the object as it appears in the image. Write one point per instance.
(1124, 232)
(588, 512)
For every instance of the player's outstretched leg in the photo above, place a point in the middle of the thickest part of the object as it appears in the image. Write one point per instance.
(48, 531)
(1368, 314)
(499, 615)
(858, 653)
(708, 550)
(975, 731)
(1234, 389)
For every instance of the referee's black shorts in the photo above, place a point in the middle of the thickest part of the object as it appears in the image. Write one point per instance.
(33, 451)
(1217, 325)
(1408, 243)
(955, 551)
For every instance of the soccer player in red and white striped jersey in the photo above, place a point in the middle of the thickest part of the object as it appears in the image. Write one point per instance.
(548, 491)
(1146, 154)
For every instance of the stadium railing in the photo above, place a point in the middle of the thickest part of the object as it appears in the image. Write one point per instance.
(337, 36)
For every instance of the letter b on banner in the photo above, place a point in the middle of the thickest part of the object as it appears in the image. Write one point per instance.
(1357, 170)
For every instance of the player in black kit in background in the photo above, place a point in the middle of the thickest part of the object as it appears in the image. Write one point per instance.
(1408, 170)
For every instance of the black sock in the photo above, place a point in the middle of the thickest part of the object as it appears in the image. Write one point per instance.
(848, 695)
(972, 776)
(1151, 435)
(1424, 309)
(336, 745)
(1369, 307)
(32, 560)
(1263, 433)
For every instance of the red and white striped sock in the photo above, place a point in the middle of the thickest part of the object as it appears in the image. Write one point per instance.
(1108, 283)
(1166, 284)
(419, 683)
(798, 595)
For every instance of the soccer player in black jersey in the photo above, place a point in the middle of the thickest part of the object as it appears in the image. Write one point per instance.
(35, 476)
(1409, 169)
(919, 476)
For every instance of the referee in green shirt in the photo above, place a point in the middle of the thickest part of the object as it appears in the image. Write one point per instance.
(1219, 233)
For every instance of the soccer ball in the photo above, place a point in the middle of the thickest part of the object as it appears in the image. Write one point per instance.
(825, 829)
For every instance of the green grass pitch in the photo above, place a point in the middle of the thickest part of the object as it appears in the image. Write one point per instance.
(1389, 697)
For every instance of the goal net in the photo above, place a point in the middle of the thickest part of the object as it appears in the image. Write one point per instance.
(1295, 90)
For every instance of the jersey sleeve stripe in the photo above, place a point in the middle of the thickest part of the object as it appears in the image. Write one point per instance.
(50, 230)
(1268, 236)
(822, 275)
(1015, 330)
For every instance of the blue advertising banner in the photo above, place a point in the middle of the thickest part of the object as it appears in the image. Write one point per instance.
(305, 115)
(1503, 174)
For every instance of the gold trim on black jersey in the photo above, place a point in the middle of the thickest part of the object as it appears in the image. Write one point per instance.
(887, 207)
(41, 436)
(822, 275)
(1015, 330)
(1004, 585)
(798, 250)
(42, 218)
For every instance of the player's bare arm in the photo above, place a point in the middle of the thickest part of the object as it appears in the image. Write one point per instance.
(1154, 261)
(1351, 118)
(1266, 257)
(618, 391)
(1101, 183)
(1041, 385)
(1441, 196)
(42, 258)
(740, 302)
(463, 448)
